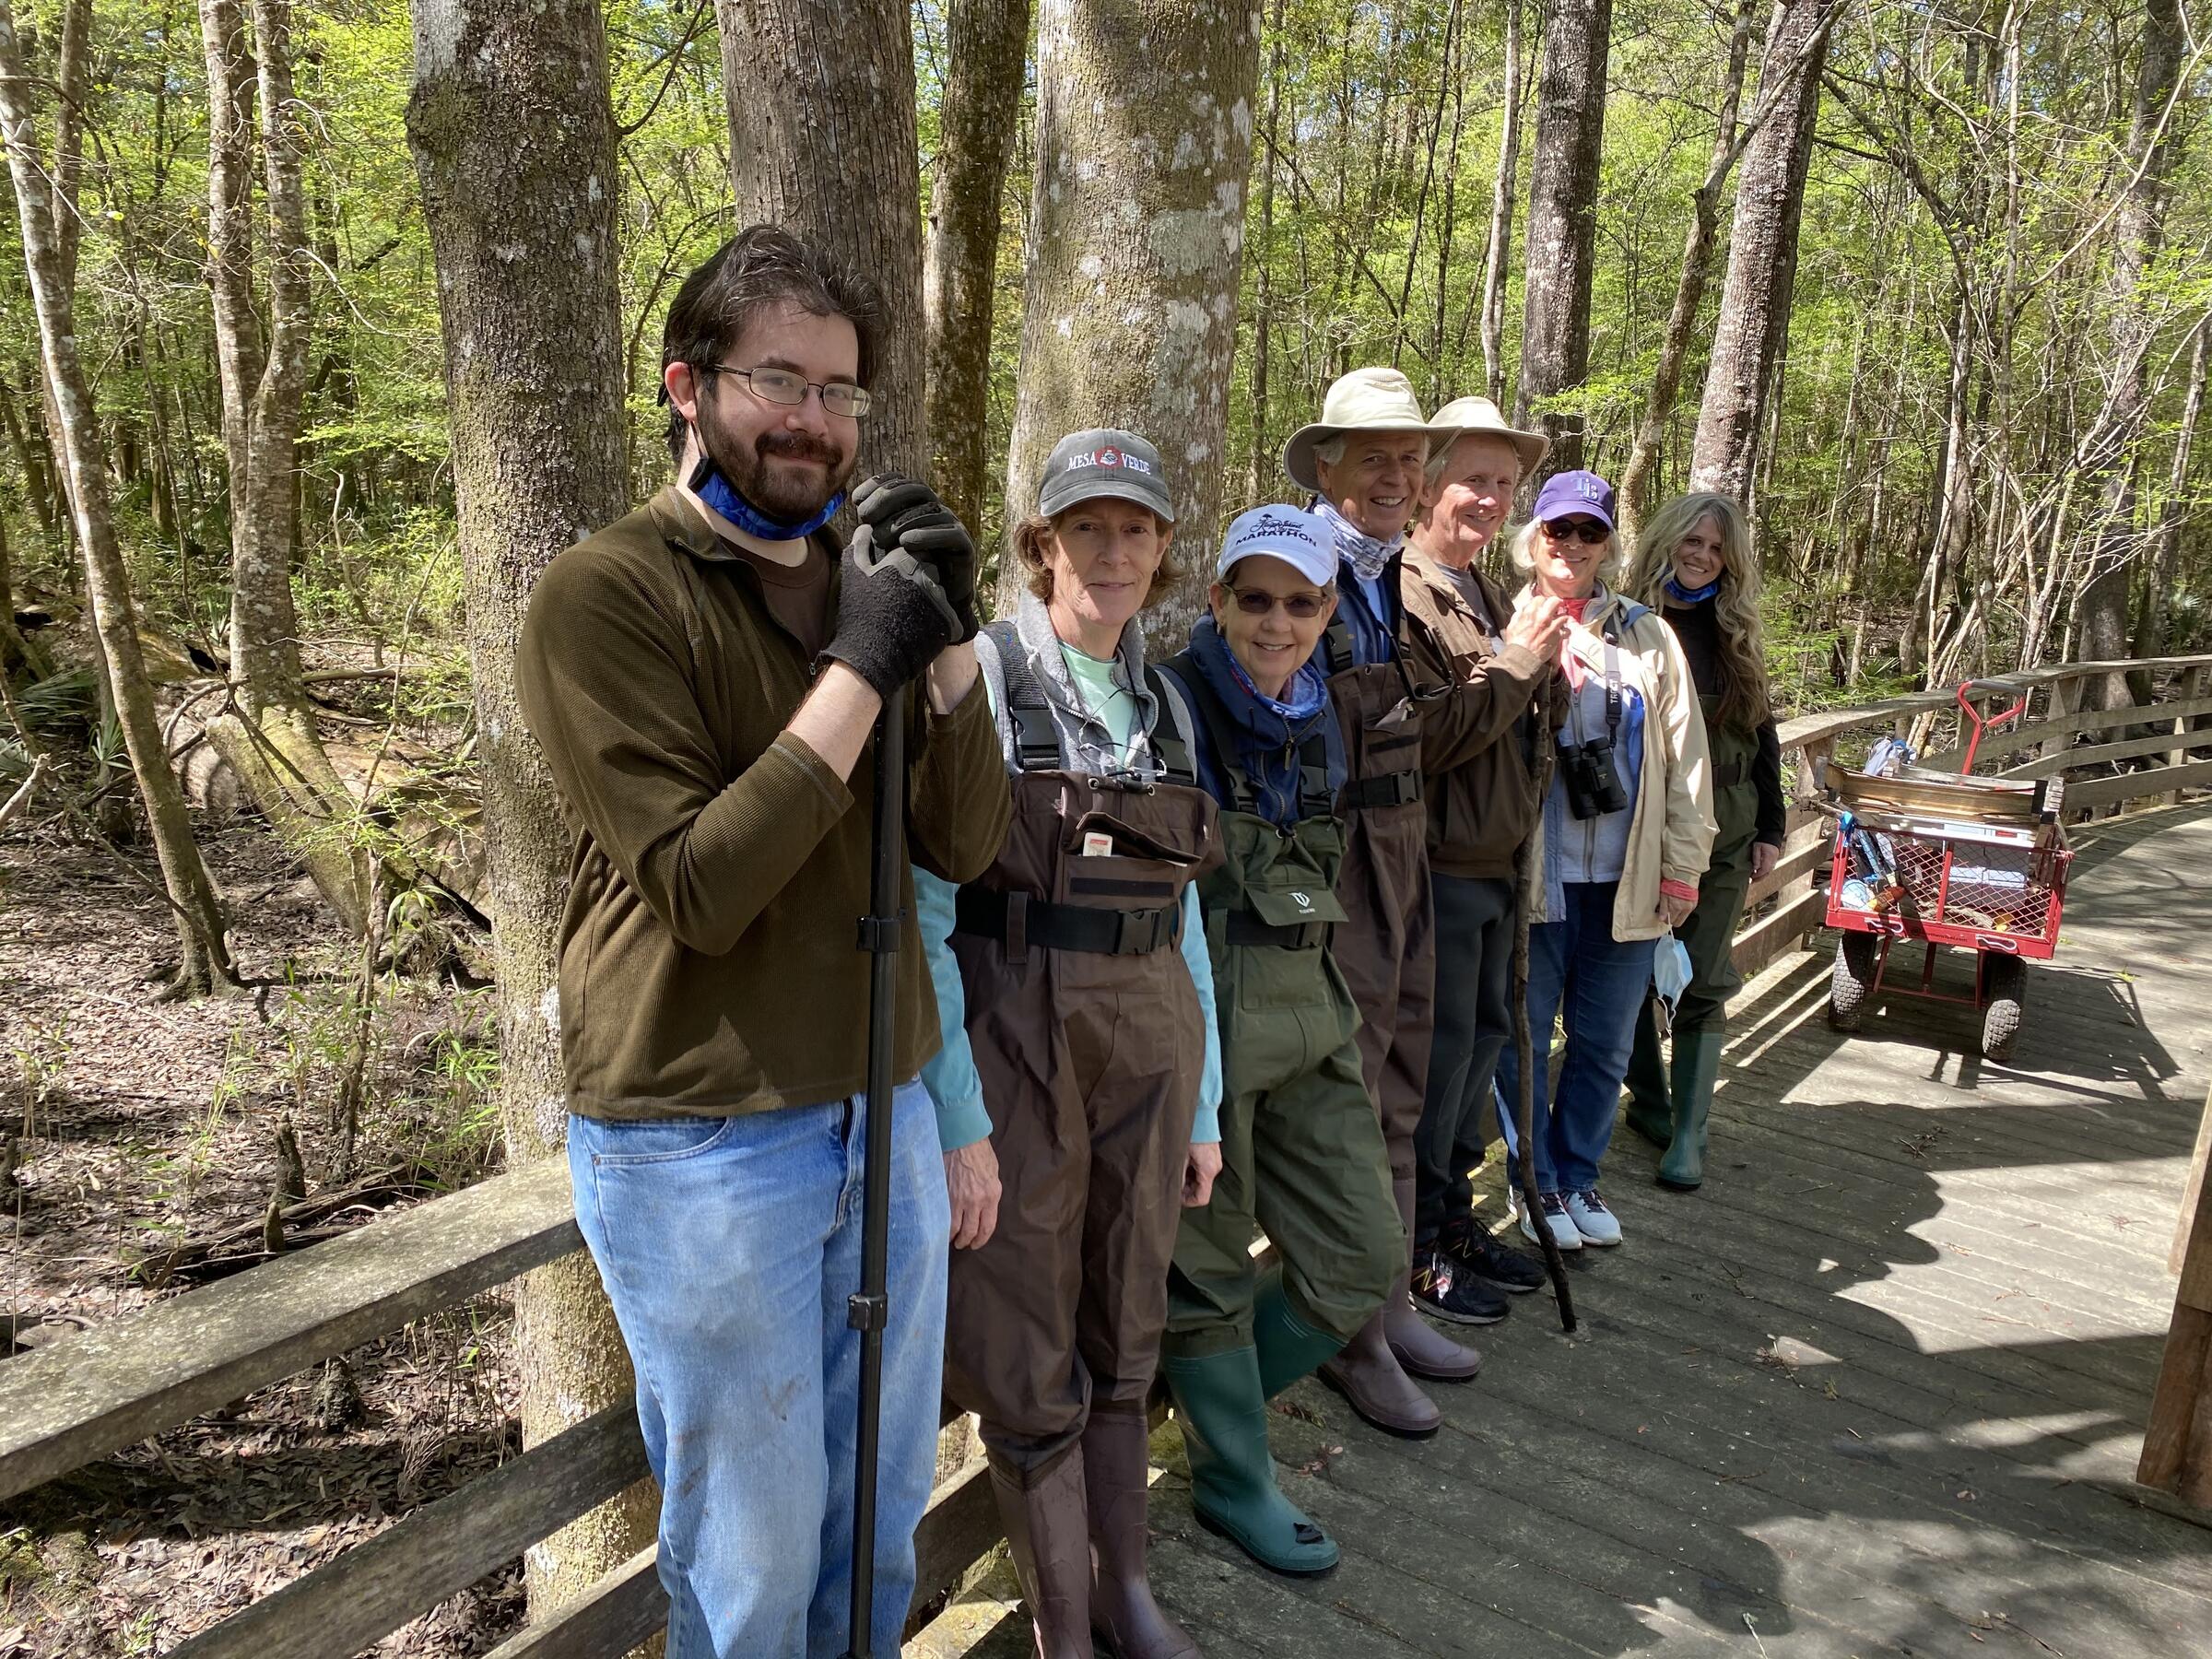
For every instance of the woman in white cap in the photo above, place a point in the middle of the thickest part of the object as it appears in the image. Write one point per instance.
(1626, 830)
(1075, 995)
(1363, 459)
(1302, 1153)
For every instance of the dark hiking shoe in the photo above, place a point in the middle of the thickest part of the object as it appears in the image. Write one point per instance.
(1441, 1286)
(1482, 1257)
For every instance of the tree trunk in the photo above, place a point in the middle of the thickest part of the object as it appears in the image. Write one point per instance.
(268, 736)
(1690, 287)
(2166, 535)
(986, 45)
(1762, 250)
(204, 960)
(2137, 229)
(1260, 467)
(1129, 317)
(1563, 223)
(514, 144)
(830, 156)
(1499, 254)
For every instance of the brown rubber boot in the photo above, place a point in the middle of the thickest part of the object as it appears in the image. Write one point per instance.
(1047, 1534)
(1122, 1614)
(1416, 1344)
(1368, 1374)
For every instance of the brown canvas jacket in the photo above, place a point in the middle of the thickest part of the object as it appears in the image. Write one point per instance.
(1473, 741)
(708, 962)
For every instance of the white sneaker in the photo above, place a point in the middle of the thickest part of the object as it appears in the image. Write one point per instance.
(1590, 1217)
(1564, 1233)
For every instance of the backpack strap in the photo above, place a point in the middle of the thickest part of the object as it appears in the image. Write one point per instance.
(1218, 730)
(1171, 734)
(1036, 736)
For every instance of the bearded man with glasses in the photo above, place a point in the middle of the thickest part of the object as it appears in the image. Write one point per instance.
(704, 676)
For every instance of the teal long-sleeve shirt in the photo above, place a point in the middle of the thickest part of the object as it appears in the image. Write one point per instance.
(951, 1077)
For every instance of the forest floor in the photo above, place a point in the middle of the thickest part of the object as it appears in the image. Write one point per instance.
(148, 1161)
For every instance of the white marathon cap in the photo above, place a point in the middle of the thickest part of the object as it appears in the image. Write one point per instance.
(1291, 534)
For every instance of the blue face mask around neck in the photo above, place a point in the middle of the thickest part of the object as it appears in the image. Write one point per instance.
(1683, 595)
(718, 492)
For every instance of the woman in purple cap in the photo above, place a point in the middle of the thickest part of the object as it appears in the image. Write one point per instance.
(1626, 831)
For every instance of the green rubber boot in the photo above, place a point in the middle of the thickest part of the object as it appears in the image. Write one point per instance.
(1648, 1112)
(1233, 1492)
(1289, 1348)
(1697, 1068)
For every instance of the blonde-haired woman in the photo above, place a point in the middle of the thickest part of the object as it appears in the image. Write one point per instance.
(1694, 566)
(1626, 828)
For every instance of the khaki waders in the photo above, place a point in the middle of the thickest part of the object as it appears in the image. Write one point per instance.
(1090, 1042)
(1386, 949)
(1302, 1158)
(1669, 1104)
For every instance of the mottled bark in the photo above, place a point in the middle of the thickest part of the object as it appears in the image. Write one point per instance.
(2138, 228)
(2151, 635)
(1260, 465)
(986, 45)
(1144, 147)
(1498, 256)
(268, 735)
(1636, 478)
(1762, 250)
(821, 105)
(514, 144)
(1562, 222)
(204, 959)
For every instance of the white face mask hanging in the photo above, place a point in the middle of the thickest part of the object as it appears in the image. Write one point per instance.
(1671, 975)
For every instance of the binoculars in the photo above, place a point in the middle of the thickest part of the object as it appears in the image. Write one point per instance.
(1592, 785)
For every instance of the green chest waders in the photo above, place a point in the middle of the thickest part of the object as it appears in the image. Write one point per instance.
(1671, 1102)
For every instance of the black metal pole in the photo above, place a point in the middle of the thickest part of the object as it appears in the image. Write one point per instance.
(879, 933)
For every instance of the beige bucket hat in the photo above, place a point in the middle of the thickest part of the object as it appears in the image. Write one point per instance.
(1473, 417)
(1366, 400)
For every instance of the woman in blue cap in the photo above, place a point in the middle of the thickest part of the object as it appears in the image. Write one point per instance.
(1302, 1153)
(1626, 831)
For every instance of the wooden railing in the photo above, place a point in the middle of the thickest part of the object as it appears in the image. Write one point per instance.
(107, 1388)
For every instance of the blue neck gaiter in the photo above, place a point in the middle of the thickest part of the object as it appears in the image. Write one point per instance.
(1683, 595)
(719, 493)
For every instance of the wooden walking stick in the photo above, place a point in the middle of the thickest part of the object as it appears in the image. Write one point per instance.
(1526, 874)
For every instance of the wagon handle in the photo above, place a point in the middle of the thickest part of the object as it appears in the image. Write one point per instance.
(1981, 721)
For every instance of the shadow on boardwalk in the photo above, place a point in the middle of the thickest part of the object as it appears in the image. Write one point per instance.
(1877, 1388)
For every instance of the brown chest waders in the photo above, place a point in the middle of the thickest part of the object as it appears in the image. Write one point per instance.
(1090, 1043)
(1386, 949)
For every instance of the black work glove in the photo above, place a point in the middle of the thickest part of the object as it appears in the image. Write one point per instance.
(910, 516)
(892, 615)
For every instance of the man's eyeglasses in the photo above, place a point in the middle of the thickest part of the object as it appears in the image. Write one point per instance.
(1258, 602)
(1585, 530)
(782, 386)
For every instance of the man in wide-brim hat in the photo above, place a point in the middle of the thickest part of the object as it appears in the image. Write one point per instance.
(1362, 460)
(1459, 627)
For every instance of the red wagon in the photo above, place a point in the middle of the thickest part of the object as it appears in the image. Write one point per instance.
(1945, 858)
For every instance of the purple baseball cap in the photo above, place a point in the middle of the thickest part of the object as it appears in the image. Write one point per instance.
(1568, 493)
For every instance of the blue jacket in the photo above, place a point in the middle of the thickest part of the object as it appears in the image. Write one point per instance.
(1267, 743)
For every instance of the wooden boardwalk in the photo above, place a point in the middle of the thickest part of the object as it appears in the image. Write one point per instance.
(1878, 1389)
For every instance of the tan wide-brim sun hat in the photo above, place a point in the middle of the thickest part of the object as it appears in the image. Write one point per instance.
(1366, 400)
(1478, 417)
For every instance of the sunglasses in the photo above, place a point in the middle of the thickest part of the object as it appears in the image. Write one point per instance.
(1305, 607)
(1571, 529)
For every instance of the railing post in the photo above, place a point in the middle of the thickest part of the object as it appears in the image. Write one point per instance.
(2065, 699)
(2191, 687)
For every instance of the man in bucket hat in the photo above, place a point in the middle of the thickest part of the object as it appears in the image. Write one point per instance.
(1363, 461)
(1460, 628)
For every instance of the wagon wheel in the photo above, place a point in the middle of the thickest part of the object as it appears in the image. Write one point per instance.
(1851, 980)
(2004, 982)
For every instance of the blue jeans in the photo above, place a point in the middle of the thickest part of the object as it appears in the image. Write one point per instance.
(728, 1246)
(1596, 983)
